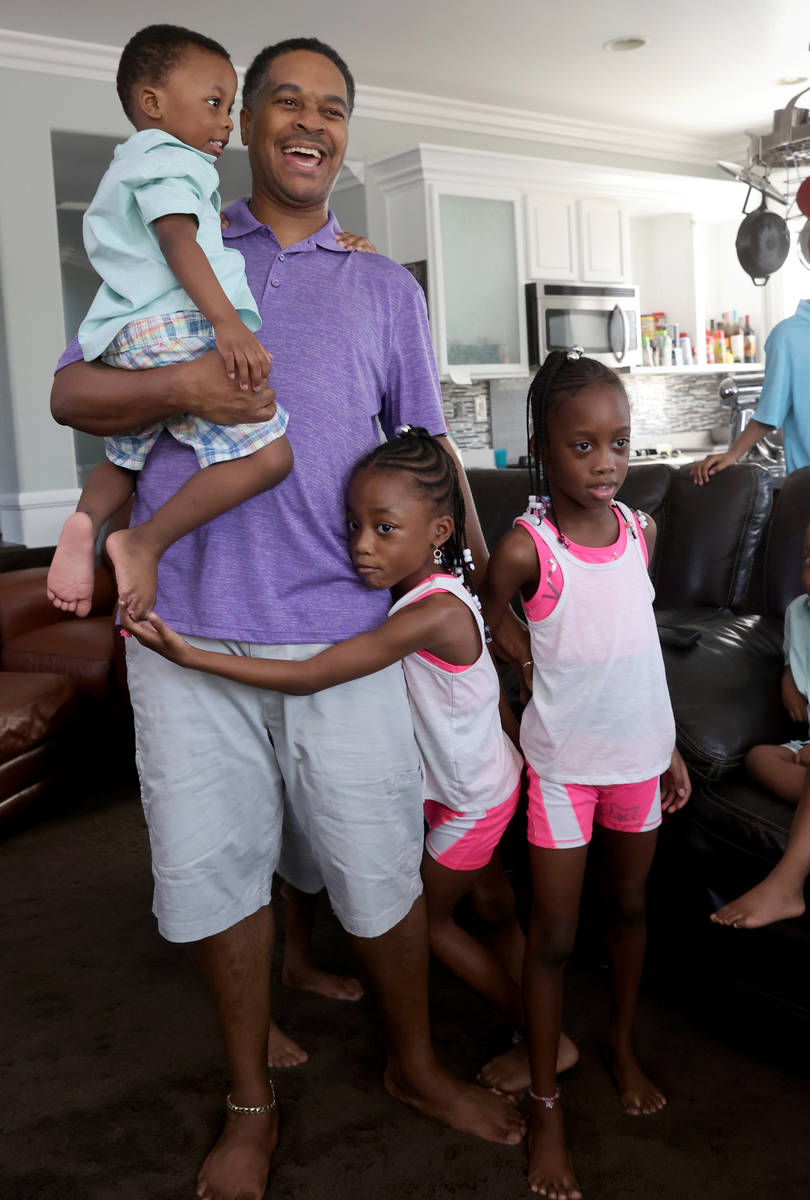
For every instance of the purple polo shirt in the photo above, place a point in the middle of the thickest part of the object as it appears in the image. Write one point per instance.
(350, 343)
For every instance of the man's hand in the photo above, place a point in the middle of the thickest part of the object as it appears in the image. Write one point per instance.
(675, 785)
(208, 393)
(245, 358)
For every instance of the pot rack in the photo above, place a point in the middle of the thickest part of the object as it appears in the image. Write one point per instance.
(785, 149)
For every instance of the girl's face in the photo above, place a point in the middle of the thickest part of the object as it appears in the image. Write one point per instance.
(392, 530)
(588, 449)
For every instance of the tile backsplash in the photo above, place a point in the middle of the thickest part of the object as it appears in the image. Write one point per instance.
(659, 404)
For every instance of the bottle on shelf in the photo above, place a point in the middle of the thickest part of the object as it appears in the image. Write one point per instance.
(736, 339)
(749, 342)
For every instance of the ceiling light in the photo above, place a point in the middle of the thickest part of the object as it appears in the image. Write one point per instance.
(791, 80)
(625, 43)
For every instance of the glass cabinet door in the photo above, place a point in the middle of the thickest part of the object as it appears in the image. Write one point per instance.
(484, 320)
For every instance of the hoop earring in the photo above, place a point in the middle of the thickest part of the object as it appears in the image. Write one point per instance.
(438, 556)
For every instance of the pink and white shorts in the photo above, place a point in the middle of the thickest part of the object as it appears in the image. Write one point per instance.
(561, 815)
(466, 841)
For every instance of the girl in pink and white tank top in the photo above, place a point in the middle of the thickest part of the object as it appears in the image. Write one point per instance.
(597, 732)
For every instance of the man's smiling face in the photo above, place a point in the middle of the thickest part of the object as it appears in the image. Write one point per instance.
(297, 134)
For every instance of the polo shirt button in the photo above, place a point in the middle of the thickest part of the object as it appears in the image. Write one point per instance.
(274, 282)
(281, 258)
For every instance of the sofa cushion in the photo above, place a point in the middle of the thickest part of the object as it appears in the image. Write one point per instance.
(81, 650)
(725, 691)
(32, 708)
(783, 551)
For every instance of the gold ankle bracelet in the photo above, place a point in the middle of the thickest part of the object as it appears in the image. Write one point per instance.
(252, 1110)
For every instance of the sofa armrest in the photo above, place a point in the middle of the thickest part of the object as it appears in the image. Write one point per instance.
(24, 605)
(725, 692)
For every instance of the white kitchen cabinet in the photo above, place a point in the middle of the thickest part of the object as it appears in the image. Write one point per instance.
(472, 239)
(552, 236)
(603, 242)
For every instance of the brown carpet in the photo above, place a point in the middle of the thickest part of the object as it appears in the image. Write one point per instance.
(111, 1077)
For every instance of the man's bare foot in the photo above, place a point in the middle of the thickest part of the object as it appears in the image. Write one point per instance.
(311, 979)
(510, 1072)
(778, 898)
(135, 564)
(238, 1165)
(282, 1051)
(460, 1105)
(638, 1094)
(551, 1169)
(70, 578)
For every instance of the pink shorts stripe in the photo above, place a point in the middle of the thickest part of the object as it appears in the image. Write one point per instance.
(562, 815)
(464, 841)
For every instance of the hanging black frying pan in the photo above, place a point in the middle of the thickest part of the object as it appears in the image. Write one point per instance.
(762, 243)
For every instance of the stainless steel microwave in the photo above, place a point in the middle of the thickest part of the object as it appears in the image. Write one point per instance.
(602, 318)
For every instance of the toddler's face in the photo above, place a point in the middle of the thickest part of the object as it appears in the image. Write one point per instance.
(196, 101)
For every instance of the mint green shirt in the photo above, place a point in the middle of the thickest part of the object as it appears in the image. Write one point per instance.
(152, 175)
(797, 643)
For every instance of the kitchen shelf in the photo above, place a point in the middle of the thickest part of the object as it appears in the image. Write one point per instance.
(705, 369)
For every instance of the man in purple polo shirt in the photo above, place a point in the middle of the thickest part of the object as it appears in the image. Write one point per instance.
(218, 761)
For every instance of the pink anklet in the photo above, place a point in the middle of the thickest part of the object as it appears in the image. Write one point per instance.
(549, 1101)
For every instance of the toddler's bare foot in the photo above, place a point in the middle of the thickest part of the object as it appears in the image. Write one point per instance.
(238, 1165)
(463, 1106)
(135, 564)
(638, 1094)
(551, 1170)
(70, 578)
(311, 979)
(282, 1051)
(779, 897)
(510, 1072)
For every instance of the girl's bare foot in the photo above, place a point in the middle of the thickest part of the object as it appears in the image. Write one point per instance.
(238, 1165)
(70, 578)
(460, 1105)
(312, 979)
(510, 1072)
(282, 1051)
(551, 1169)
(778, 898)
(638, 1094)
(135, 564)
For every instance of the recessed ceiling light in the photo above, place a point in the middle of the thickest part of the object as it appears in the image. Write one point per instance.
(791, 80)
(625, 43)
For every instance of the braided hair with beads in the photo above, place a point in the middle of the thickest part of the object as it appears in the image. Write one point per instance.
(432, 469)
(564, 373)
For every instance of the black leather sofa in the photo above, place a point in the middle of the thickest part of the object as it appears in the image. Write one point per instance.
(726, 565)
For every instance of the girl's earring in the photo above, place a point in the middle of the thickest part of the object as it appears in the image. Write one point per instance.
(438, 556)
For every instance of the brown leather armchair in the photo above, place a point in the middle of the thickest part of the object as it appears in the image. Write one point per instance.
(60, 678)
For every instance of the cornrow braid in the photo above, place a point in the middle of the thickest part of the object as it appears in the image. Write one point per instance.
(433, 471)
(564, 373)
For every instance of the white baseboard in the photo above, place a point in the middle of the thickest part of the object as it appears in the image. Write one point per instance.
(35, 518)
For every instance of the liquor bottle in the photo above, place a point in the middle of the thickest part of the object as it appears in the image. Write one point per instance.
(736, 338)
(750, 341)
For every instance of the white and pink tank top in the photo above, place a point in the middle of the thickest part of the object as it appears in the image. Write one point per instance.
(470, 764)
(600, 710)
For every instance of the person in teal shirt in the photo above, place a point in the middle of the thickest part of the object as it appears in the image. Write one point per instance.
(784, 400)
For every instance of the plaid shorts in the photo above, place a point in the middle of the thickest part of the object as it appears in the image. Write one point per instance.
(175, 338)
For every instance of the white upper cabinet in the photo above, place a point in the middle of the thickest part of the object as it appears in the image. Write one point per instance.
(551, 236)
(603, 242)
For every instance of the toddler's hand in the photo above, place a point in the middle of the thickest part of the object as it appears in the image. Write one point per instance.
(244, 356)
(793, 700)
(356, 241)
(803, 756)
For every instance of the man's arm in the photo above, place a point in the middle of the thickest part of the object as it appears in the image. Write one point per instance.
(109, 400)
